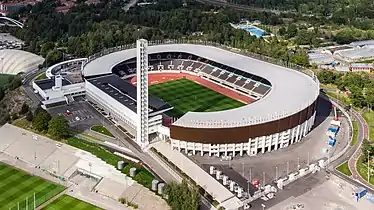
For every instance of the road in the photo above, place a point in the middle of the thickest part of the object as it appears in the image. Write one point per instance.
(363, 127)
(353, 152)
(27, 85)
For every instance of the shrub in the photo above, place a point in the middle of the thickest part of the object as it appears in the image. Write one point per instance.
(122, 200)
(29, 116)
(24, 109)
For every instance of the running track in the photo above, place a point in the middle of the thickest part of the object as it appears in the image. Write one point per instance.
(156, 78)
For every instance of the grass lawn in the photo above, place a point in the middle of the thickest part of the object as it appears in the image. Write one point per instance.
(369, 117)
(344, 169)
(142, 176)
(185, 95)
(4, 79)
(41, 76)
(65, 202)
(341, 97)
(363, 170)
(102, 130)
(355, 133)
(17, 185)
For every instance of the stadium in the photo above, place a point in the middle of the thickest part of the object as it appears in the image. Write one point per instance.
(206, 99)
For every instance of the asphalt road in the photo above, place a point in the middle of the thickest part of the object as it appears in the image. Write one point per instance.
(27, 86)
(349, 155)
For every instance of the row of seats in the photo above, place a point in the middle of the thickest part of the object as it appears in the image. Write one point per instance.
(209, 69)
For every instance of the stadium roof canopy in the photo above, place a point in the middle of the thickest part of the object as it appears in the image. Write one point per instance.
(291, 91)
(125, 93)
(17, 61)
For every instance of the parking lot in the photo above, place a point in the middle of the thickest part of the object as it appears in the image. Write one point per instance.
(267, 167)
(78, 114)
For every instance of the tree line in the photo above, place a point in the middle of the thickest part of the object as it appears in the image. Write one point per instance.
(87, 29)
(359, 85)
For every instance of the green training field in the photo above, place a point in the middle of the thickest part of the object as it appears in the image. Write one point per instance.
(185, 95)
(17, 185)
(65, 202)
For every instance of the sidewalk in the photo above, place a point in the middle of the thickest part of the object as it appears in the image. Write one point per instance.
(95, 199)
(352, 162)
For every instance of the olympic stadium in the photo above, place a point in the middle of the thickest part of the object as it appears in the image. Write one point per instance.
(275, 106)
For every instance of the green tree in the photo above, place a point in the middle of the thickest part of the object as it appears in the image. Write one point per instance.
(2, 93)
(41, 120)
(369, 97)
(58, 127)
(282, 31)
(356, 97)
(29, 116)
(15, 116)
(53, 56)
(24, 109)
(16, 82)
(326, 77)
(182, 197)
(292, 30)
(367, 149)
(46, 47)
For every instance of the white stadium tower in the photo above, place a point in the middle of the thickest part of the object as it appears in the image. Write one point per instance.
(142, 92)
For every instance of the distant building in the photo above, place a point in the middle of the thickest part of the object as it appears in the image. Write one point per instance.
(66, 6)
(360, 67)
(94, 2)
(355, 54)
(8, 7)
(320, 57)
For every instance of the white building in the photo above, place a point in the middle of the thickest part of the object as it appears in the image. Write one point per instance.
(57, 91)
(118, 98)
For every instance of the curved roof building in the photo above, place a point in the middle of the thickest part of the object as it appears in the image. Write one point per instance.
(17, 61)
(281, 117)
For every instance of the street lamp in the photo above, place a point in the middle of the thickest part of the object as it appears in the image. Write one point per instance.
(368, 166)
(263, 206)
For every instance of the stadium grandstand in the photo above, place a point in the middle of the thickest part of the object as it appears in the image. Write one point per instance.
(18, 61)
(281, 110)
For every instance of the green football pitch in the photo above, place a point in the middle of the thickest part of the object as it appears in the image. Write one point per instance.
(17, 186)
(66, 202)
(185, 95)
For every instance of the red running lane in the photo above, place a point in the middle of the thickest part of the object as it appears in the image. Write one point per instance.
(157, 78)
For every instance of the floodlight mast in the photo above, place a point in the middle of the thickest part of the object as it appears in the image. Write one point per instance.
(142, 92)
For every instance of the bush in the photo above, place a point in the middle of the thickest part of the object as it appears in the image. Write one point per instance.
(24, 109)
(15, 116)
(41, 120)
(29, 116)
(58, 127)
(122, 200)
(16, 82)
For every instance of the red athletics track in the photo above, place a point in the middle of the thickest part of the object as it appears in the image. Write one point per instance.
(156, 78)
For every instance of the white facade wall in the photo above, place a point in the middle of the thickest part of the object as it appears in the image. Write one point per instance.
(117, 110)
(253, 146)
(50, 94)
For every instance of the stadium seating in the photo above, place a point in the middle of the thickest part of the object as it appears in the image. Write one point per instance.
(228, 76)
